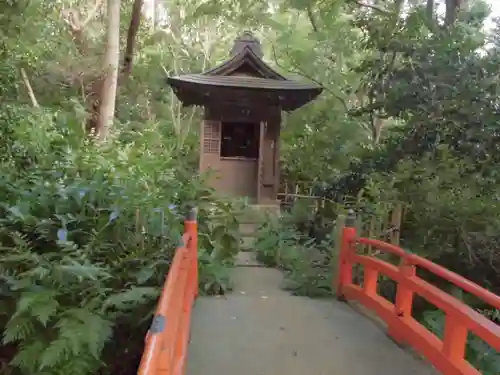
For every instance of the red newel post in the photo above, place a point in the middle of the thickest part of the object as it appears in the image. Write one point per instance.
(191, 227)
(347, 247)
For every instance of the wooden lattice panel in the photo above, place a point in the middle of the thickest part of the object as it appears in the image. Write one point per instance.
(211, 137)
(210, 146)
(212, 130)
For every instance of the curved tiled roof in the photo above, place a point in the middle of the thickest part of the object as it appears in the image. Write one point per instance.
(245, 82)
(198, 89)
(246, 56)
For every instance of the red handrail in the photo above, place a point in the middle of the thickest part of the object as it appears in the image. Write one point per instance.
(167, 340)
(446, 354)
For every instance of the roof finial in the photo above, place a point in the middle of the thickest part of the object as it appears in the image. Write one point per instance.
(247, 40)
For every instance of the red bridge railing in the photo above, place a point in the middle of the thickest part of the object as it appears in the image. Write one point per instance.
(167, 339)
(446, 354)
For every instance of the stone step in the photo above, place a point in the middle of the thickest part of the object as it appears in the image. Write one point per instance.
(249, 229)
(247, 243)
(251, 219)
(258, 213)
(246, 259)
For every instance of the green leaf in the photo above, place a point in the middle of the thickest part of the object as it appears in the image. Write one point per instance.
(131, 298)
(16, 212)
(18, 328)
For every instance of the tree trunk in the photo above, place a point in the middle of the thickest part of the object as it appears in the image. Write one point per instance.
(453, 7)
(111, 66)
(133, 29)
(430, 10)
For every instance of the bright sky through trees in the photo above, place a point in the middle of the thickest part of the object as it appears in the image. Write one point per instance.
(494, 4)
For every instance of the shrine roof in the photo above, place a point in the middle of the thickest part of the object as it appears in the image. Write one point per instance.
(245, 82)
(244, 70)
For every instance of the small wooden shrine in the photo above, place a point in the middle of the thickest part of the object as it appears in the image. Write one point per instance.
(243, 99)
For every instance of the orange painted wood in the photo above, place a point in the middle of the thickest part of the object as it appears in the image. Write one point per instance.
(165, 350)
(446, 354)
(344, 276)
(370, 281)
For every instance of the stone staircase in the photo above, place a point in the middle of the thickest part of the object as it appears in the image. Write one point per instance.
(250, 220)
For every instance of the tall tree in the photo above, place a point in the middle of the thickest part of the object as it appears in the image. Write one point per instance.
(111, 64)
(133, 29)
(453, 7)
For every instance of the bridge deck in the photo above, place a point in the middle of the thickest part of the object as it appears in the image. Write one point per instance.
(260, 329)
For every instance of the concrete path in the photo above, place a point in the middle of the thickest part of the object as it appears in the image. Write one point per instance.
(260, 329)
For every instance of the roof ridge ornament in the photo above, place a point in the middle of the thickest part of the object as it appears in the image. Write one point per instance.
(247, 40)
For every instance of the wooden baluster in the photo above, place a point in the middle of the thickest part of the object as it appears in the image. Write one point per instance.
(370, 281)
(404, 301)
(347, 247)
(191, 227)
(454, 339)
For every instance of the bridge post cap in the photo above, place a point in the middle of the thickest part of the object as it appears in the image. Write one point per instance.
(191, 214)
(351, 218)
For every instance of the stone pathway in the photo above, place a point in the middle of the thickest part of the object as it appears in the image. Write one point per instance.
(259, 329)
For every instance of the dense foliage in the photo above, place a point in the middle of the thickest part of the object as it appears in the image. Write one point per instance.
(293, 243)
(425, 96)
(88, 233)
(87, 228)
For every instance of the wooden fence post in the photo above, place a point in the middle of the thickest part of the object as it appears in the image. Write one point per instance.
(335, 255)
(396, 216)
(372, 233)
(139, 228)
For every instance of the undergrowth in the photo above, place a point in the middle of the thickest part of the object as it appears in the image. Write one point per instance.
(479, 353)
(306, 262)
(288, 243)
(87, 235)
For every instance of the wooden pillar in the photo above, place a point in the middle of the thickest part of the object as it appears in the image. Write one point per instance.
(260, 163)
(276, 155)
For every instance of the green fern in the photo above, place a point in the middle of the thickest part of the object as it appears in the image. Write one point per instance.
(18, 328)
(26, 359)
(79, 279)
(82, 328)
(80, 365)
(130, 298)
(41, 304)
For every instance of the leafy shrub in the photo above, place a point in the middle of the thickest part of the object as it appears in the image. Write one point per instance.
(482, 356)
(307, 264)
(87, 234)
(452, 217)
(219, 243)
(214, 274)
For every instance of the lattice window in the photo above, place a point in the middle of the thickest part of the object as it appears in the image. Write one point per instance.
(210, 146)
(212, 129)
(211, 137)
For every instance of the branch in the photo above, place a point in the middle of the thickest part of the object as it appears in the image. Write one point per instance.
(370, 6)
(314, 25)
(91, 14)
(301, 72)
(71, 17)
(310, 15)
(31, 94)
